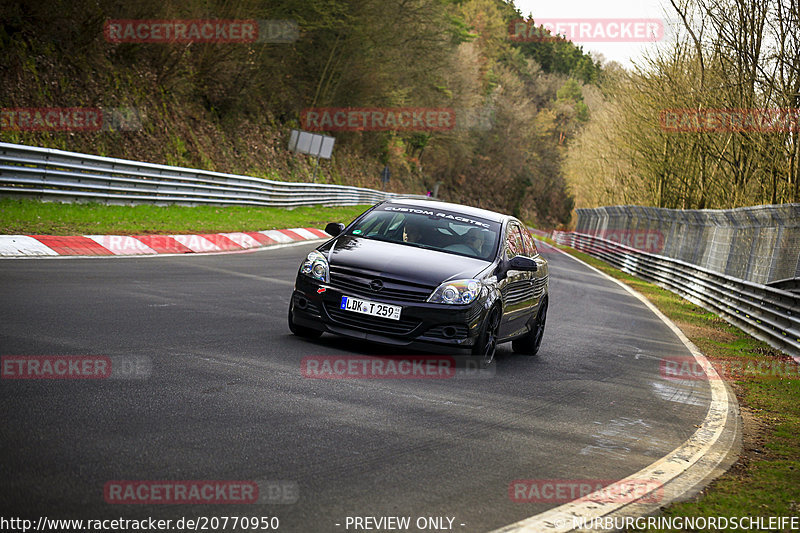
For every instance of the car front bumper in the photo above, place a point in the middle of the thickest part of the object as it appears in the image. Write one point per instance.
(423, 326)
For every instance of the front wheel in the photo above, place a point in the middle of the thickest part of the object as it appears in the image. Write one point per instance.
(302, 331)
(530, 343)
(487, 341)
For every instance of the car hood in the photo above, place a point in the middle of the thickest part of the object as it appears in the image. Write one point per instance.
(400, 261)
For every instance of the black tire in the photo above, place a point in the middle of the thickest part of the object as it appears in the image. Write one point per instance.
(302, 331)
(530, 343)
(486, 347)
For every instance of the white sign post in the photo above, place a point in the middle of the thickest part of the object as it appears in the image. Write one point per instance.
(313, 144)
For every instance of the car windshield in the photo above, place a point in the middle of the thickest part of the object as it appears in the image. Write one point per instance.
(444, 231)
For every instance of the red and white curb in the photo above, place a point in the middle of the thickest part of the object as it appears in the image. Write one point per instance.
(88, 245)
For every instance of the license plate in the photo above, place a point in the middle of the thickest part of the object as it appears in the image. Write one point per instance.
(357, 305)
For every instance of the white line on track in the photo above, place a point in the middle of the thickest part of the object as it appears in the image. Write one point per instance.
(244, 275)
(666, 470)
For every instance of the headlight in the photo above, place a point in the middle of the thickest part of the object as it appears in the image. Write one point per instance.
(462, 291)
(315, 266)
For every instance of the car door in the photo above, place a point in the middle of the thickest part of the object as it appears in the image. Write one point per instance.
(539, 278)
(517, 288)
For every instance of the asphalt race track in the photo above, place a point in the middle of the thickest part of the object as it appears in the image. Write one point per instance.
(224, 398)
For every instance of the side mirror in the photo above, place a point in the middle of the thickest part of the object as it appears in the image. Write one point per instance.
(334, 228)
(523, 263)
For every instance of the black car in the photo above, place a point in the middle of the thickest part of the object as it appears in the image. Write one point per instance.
(426, 275)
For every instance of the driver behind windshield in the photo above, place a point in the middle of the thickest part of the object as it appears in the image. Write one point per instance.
(474, 239)
(413, 230)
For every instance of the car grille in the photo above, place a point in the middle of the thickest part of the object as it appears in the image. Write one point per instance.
(474, 314)
(371, 323)
(350, 281)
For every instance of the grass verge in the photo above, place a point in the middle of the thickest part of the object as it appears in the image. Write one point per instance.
(765, 480)
(32, 217)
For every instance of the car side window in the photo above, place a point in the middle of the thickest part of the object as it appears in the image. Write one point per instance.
(530, 245)
(514, 243)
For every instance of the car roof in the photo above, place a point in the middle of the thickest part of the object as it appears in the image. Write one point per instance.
(455, 208)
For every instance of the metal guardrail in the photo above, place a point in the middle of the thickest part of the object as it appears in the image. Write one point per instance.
(69, 176)
(767, 313)
(759, 243)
